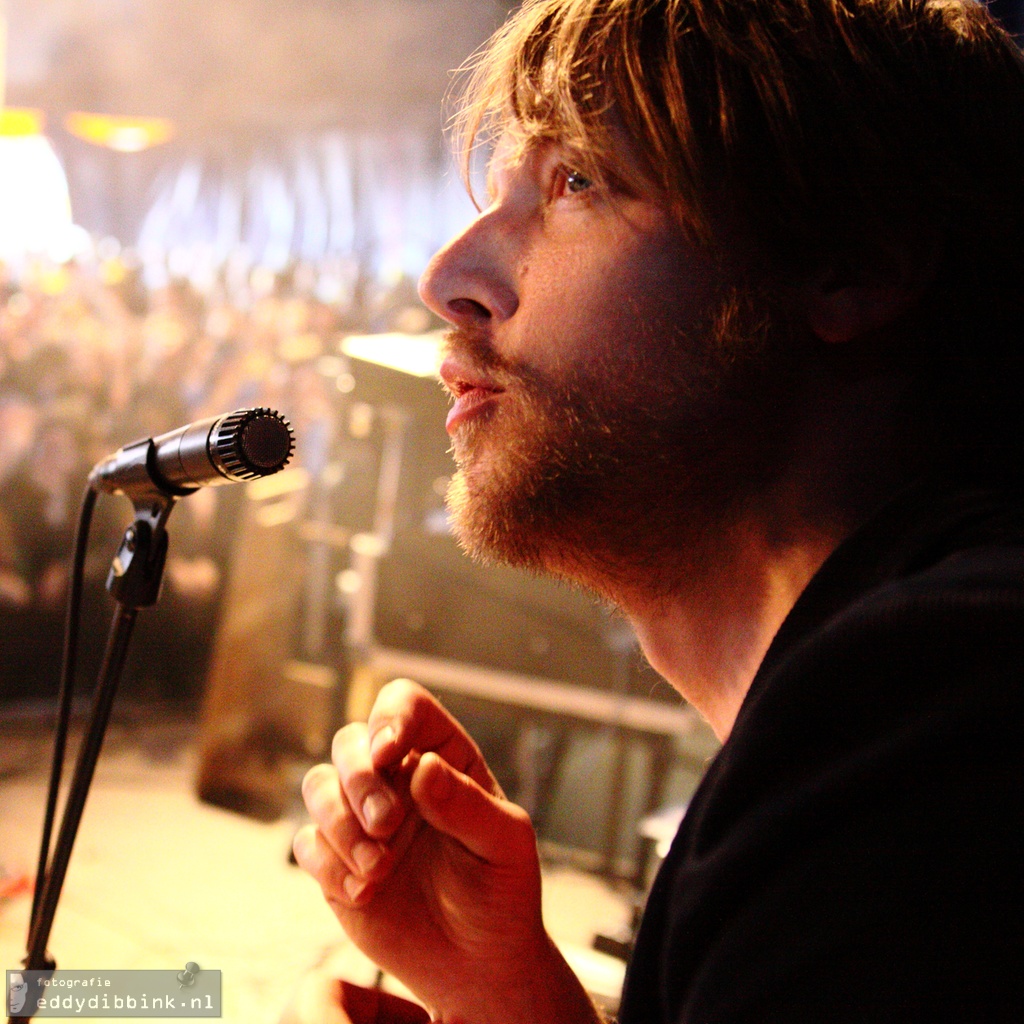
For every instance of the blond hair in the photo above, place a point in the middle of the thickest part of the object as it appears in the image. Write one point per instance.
(837, 135)
(813, 125)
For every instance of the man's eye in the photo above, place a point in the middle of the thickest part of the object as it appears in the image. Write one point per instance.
(576, 182)
(572, 181)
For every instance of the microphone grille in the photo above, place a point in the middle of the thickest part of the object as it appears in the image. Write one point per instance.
(251, 442)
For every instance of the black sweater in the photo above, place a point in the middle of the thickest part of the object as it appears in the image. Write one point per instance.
(855, 853)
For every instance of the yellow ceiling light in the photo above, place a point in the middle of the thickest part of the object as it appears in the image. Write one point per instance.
(20, 121)
(124, 134)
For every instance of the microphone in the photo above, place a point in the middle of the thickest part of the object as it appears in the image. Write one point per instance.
(240, 445)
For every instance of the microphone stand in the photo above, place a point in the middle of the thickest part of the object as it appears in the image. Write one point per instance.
(134, 582)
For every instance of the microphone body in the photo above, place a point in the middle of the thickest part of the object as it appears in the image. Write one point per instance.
(237, 446)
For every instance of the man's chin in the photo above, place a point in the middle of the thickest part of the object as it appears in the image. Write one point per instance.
(487, 528)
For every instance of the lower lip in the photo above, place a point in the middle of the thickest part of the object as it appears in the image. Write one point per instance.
(468, 405)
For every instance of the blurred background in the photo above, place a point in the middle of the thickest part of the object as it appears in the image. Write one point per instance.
(209, 204)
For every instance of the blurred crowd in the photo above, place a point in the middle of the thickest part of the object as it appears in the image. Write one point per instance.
(91, 359)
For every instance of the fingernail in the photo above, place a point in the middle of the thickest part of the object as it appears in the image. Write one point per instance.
(353, 887)
(367, 856)
(381, 739)
(375, 808)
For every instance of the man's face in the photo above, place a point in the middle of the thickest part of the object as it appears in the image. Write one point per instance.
(601, 368)
(18, 993)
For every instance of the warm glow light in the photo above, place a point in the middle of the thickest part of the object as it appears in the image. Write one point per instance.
(18, 121)
(418, 354)
(35, 209)
(124, 134)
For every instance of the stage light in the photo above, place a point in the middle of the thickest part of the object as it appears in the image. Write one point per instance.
(417, 354)
(18, 122)
(35, 207)
(123, 134)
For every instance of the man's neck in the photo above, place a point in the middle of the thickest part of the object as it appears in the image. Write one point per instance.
(860, 442)
(709, 639)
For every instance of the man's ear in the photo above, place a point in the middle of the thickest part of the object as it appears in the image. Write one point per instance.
(843, 304)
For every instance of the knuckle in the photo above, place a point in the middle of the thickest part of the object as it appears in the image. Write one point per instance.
(331, 875)
(520, 826)
(331, 821)
(303, 846)
(405, 706)
(325, 803)
(313, 781)
(400, 699)
(336, 821)
(347, 742)
(359, 783)
(400, 689)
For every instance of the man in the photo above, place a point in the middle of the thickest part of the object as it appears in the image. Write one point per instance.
(736, 345)
(17, 992)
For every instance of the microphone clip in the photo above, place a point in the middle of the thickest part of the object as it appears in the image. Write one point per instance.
(136, 572)
(137, 569)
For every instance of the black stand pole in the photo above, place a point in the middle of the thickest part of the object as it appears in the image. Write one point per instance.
(103, 700)
(134, 581)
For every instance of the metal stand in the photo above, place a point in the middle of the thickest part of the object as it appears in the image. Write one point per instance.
(134, 582)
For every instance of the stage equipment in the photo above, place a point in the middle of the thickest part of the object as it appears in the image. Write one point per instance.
(220, 450)
(153, 473)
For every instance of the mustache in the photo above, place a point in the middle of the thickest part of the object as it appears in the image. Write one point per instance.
(474, 347)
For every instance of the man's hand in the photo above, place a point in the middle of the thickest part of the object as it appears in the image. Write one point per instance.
(431, 871)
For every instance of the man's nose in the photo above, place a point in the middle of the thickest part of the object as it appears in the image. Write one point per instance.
(471, 281)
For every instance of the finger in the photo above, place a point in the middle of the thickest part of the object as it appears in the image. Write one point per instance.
(489, 826)
(342, 888)
(373, 798)
(330, 811)
(405, 717)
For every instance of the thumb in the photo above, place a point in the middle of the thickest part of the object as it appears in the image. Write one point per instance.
(490, 827)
